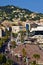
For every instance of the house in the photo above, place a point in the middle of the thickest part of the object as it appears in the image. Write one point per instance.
(16, 29)
(38, 28)
(37, 33)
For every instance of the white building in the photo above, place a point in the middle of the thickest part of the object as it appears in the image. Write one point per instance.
(38, 33)
(0, 32)
(39, 28)
(15, 29)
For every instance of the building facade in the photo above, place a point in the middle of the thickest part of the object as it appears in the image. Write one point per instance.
(15, 29)
(0, 33)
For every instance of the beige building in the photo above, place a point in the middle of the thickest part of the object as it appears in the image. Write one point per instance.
(15, 29)
(41, 20)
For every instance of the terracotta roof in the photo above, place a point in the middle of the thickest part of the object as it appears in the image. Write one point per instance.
(30, 49)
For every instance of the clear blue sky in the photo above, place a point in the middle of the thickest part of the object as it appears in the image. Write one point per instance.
(33, 5)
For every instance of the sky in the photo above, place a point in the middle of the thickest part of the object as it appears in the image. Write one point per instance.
(33, 5)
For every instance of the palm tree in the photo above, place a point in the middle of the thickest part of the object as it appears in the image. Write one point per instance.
(7, 33)
(22, 36)
(36, 56)
(16, 57)
(2, 59)
(13, 44)
(24, 52)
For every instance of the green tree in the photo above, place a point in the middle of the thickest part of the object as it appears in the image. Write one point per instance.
(24, 52)
(13, 44)
(33, 63)
(14, 34)
(22, 36)
(16, 57)
(2, 59)
(23, 19)
(8, 62)
(1, 43)
(8, 33)
(36, 56)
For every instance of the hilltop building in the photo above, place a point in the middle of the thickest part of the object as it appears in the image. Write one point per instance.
(39, 28)
(16, 29)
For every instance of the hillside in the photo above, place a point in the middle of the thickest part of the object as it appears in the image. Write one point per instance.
(12, 12)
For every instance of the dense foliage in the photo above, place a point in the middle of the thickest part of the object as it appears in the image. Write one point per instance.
(11, 12)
